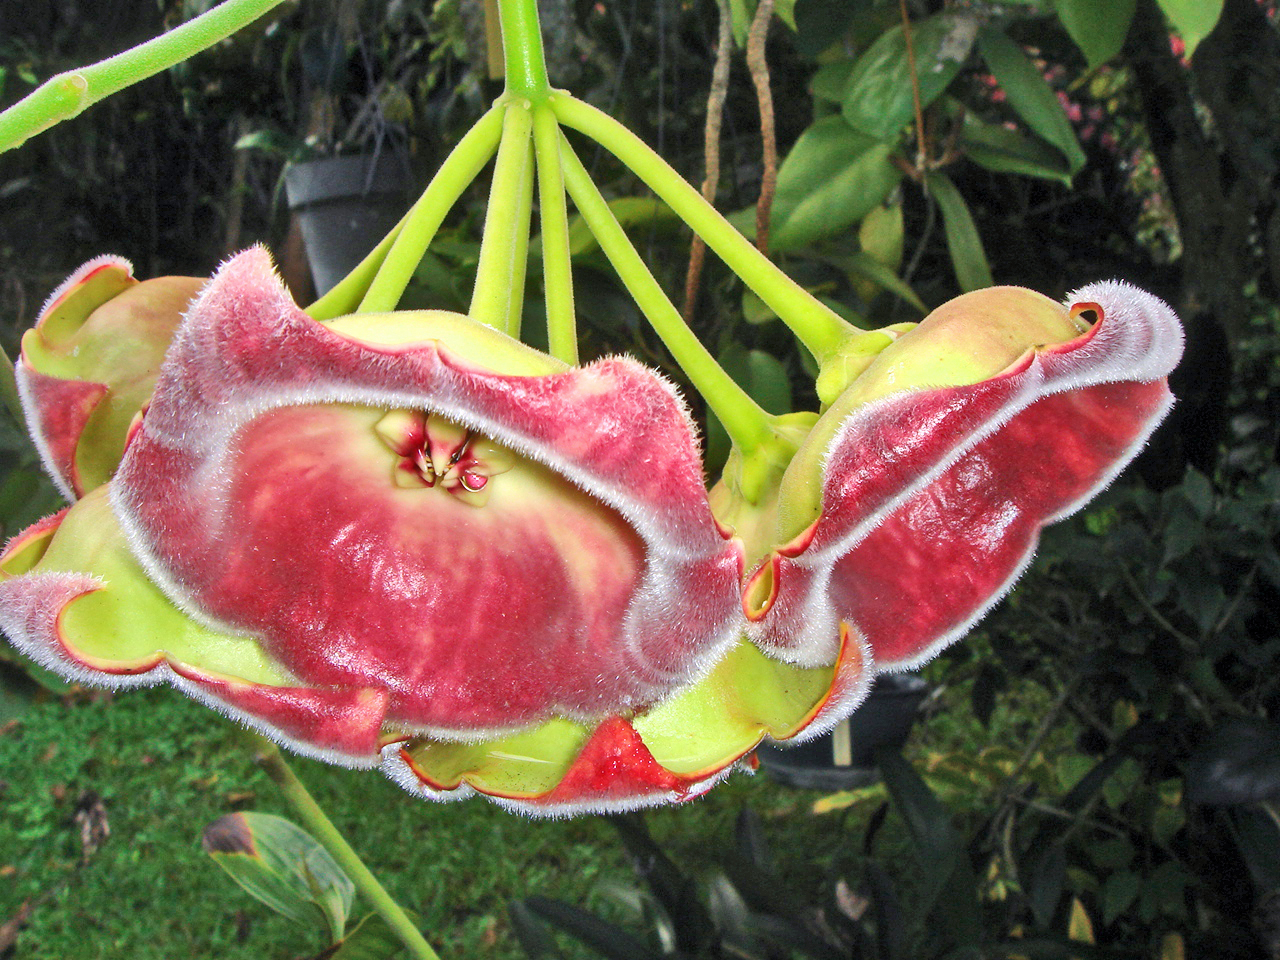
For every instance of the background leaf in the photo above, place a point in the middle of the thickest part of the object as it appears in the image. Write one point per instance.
(963, 243)
(948, 876)
(1239, 763)
(370, 939)
(832, 178)
(1029, 94)
(1193, 19)
(879, 99)
(609, 940)
(282, 865)
(1097, 26)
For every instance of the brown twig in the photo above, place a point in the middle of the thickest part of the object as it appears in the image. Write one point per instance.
(922, 152)
(715, 114)
(758, 64)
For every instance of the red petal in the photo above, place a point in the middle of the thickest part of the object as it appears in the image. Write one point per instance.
(250, 505)
(341, 726)
(933, 500)
(614, 772)
(57, 411)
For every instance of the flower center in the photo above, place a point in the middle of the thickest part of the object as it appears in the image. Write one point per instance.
(438, 453)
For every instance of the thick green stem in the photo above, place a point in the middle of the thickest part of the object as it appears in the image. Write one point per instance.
(322, 828)
(818, 327)
(557, 268)
(522, 49)
(504, 249)
(746, 423)
(419, 227)
(62, 97)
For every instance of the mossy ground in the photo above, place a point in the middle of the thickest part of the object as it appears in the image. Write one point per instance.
(165, 767)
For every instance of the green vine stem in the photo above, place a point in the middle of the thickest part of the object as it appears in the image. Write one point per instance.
(418, 229)
(818, 327)
(557, 267)
(746, 423)
(498, 296)
(67, 94)
(525, 64)
(322, 828)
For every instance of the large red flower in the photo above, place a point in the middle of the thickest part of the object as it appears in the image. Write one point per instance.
(405, 524)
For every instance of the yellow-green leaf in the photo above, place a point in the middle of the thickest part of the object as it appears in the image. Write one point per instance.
(1193, 19)
(963, 243)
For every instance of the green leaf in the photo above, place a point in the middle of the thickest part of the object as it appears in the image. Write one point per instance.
(283, 866)
(882, 234)
(879, 99)
(1193, 19)
(868, 268)
(831, 81)
(370, 939)
(963, 243)
(1198, 491)
(26, 495)
(1011, 151)
(755, 310)
(832, 178)
(948, 879)
(785, 10)
(820, 23)
(740, 18)
(273, 142)
(1098, 27)
(1029, 94)
(1118, 893)
(9, 388)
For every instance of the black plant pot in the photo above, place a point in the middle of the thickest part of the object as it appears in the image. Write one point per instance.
(845, 757)
(345, 205)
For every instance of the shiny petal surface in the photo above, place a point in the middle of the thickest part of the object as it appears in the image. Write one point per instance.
(932, 500)
(90, 362)
(259, 496)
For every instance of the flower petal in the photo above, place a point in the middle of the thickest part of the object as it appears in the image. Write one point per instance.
(559, 769)
(73, 599)
(260, 497)
(89, 364)
(674, 751)
(932, 500)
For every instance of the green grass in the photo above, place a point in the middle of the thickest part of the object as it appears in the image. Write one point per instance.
(165, 767)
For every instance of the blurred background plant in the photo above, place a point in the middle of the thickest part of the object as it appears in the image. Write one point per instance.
(1097, 772)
